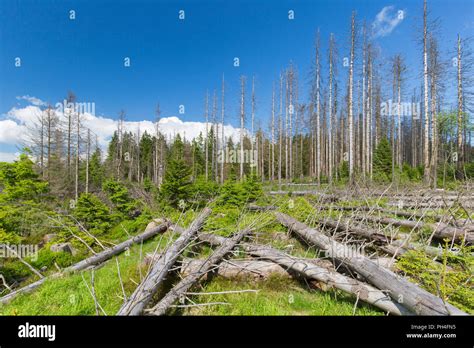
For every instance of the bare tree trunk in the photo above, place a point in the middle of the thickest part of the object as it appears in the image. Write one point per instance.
(350, 114)
(328, 276)
(272, 160)
(242, 126)
(318, 113)
(223, 145)
(186, 283)
(88, 153)
(78, 135)
(159, 270)
(410, 295)
(426, 139)
(460, 125)
(214, 173)
(280, 132)
(253, 138)
(206, 141)
(157, 162)
(330, 119)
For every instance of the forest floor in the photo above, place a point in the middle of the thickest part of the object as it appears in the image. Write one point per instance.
(445, 269)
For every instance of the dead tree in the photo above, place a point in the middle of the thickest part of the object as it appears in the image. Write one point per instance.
(426, 136)
(186, 283)
(223, 149)
(350, 113)
(91, 261)
(412, 297)
(143, 294)
(242, 125)
(310, 270)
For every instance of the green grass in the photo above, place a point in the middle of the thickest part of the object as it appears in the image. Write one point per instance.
(275, 296)
(69, 295)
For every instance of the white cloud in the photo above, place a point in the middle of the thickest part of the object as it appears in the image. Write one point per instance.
(32, 100)
(14, 128)
(11, 132)
(386, 20)
(8, 156)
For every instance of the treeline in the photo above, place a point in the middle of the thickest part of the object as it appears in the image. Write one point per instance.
(364, 131)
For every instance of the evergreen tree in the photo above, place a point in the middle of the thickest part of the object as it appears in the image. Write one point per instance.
(383, 160)
(177, 181)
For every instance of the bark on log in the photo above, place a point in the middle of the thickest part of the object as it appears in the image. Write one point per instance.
(159, 270)
(408, 214)
(254, 207)
(321, 271)
(93, 260)
(185, 284)
(348, 227)
(414, 298)
(107, 254)
(440, 230)
(235, 269)
(322, 197)
(364, 292)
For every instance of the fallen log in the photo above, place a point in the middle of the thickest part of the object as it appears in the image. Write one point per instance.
(413, 297)
(108, 253)
(254, 207)
(348, 227)
(159, 270)
(93, 260)
(321, 271)
(440, 230)
(235, 269)
(186, 283)
(323, 198)
(363, 291)
(402, 213)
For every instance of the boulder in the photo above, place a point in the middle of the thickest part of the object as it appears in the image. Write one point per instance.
(64, 247)
(49, 237)
(153, 224)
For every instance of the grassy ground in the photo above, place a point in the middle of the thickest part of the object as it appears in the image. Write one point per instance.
(69, 295)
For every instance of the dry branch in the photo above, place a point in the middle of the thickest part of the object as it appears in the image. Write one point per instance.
(413, 297)
(310, 270)
(159, 270)
(185, 284)
(440, 230)
(93, 260)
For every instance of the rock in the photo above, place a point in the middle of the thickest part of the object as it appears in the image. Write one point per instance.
(64, 247)
(49, 237)
(154, 223)
(134, 214)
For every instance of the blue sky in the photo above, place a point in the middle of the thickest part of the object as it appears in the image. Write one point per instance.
(174, 61)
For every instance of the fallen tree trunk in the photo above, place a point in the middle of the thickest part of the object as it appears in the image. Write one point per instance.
(408, 214)
(323, 198)
(413, 297)
(185, 284)
(254, 207)
(348, 227)
(440, 230)
(159, 270)
(317, 270)
(363, 291)
(93, 260)
(235, 269)
(119, 248)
